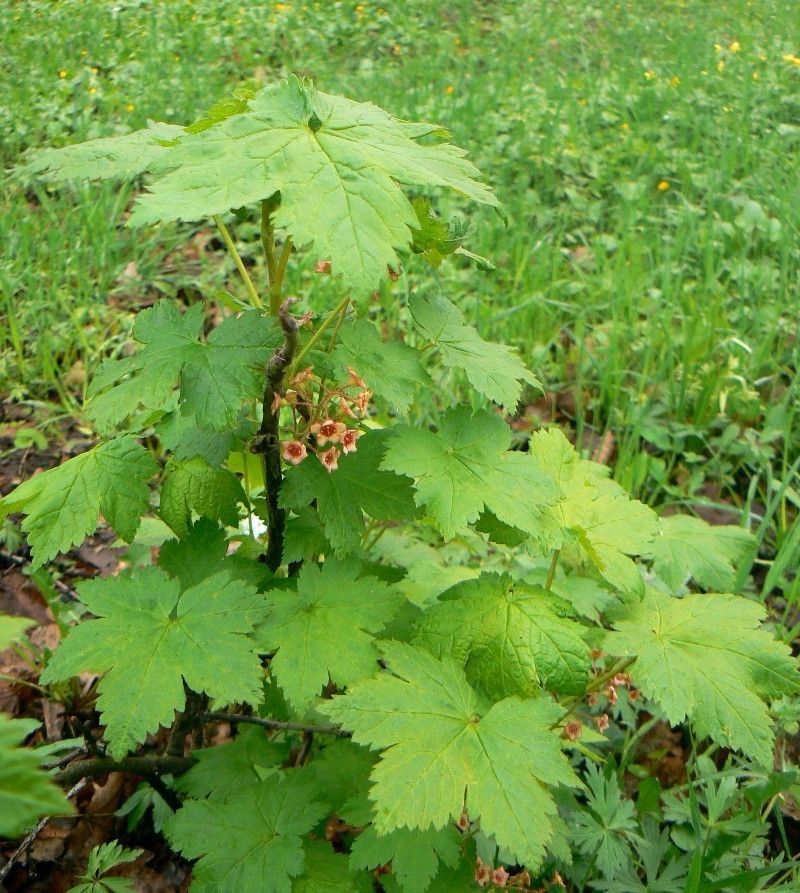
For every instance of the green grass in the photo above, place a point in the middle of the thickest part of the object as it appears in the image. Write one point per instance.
(667, 316)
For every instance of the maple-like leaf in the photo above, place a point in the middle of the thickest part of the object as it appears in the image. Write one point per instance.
(444, 748)
(26, 791)
(415, 855)
(510, 636)
(325, 631)
(359, 485)
(62, 504)
(150, 637)
(707, 658)
(222, 772)
(106, 158)
(216, 376)
(252, 842)
(594, 512)
(203, 552)
(391, 369)
(494, 370)
(336, 164)
(466, 467)
(194, 486)
(687, 547)
(329, 872)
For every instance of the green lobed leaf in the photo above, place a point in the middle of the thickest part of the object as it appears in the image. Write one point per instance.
(216, 376)
(494, 370)
(150, 637)
(112, 157)
(194, 486)
(224, 771)
(706, 657)
(203, 552)
(594, 513)
(325, 631)
(391, 369)
(251, 843)
(359, 485)
(304, 537)
(336, 164)
(329, 872)
(62, 504)
(26, 791)
(466, 467)
(415, 855)
(102, 859)
(510, 636)
(690, 547)
(440, 740)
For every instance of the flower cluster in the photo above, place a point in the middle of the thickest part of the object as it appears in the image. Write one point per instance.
(324, 418)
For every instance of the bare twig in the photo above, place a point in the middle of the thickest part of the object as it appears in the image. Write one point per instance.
(276, 724)
(146, 766)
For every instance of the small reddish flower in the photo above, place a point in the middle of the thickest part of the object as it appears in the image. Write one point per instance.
(330, 459)
(633, 694)
(355, 379)
(293, 451)
(572, 730)
(622, 679)
(276, 402)
(349, 439)
(601, 722)
(344, 408)
(499, 877)
(596, 653)
(611, 694)
(290, 397)
(592, 698)
(483, 874)
(328, 431)
(322, 266)
(463, 822)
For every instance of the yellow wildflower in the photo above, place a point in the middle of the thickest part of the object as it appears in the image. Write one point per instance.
(130, 106)
(92, 90)
(625, 125)
(718, 47)
(281, 7)
(734, 46)
(449, 89)
(360, 9)
(674, 80)
(62, 74)
(721, 65)
(94, 71)
(790, 57)
(649, 74)
(755, 75)
(663, 186)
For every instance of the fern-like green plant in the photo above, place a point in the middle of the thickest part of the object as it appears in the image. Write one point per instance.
(443, 713)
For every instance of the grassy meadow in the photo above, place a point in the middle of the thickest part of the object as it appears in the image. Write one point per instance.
(645, 154)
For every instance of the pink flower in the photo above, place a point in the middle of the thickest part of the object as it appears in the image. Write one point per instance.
(330, 459)
(328, 431)
(349, 439)
(483, 874)
(293, 451)
(499, 877)
(572, 730)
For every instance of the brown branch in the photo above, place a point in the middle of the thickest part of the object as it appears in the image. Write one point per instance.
(267, 441)
(276, 724)
(146, 766)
